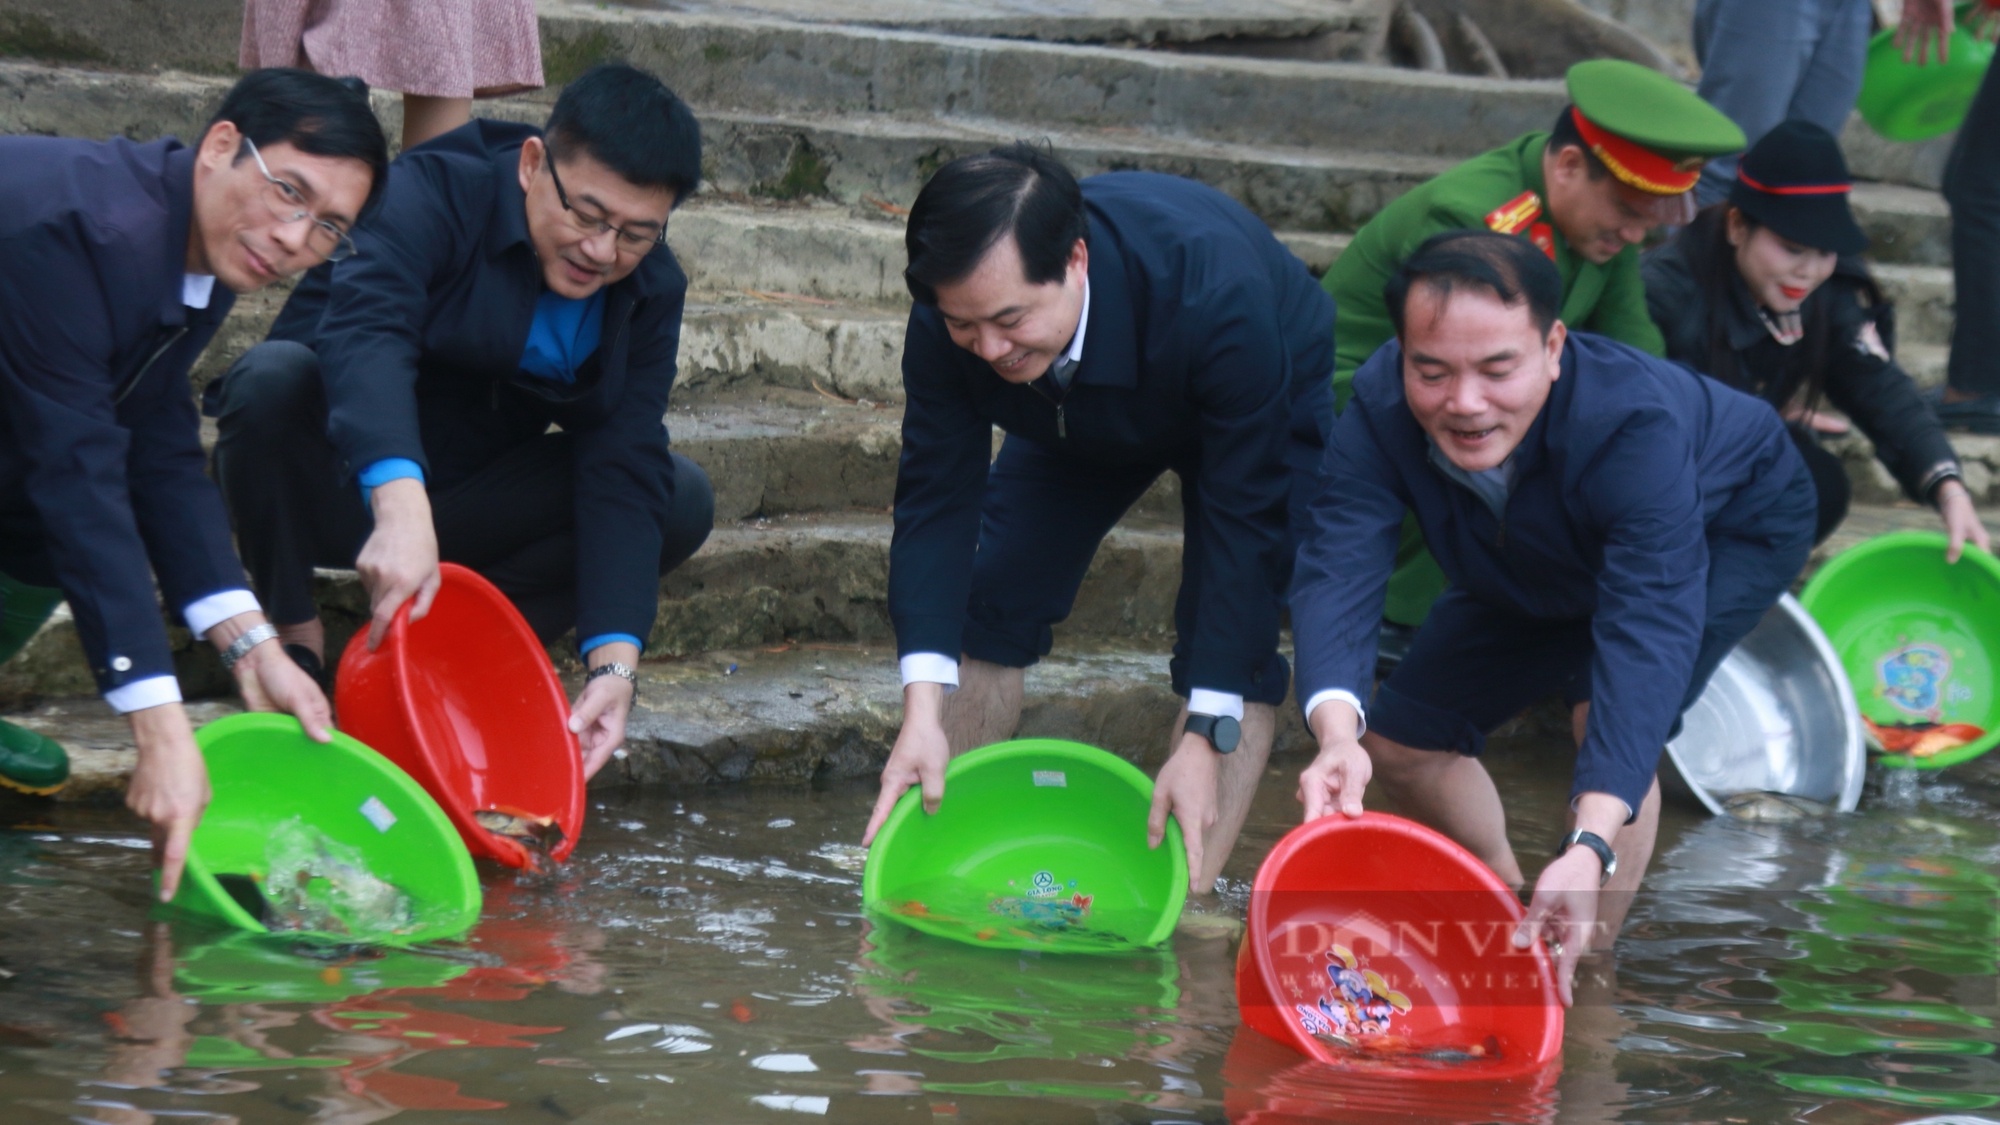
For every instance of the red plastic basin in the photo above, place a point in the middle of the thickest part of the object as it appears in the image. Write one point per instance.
(1381, 947)
(466, 702)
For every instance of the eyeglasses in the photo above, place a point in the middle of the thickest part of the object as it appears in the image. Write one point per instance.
(627, 241)
(288, 206)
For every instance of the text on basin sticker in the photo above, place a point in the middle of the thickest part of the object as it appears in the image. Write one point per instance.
(378, 814)
(1057, 778)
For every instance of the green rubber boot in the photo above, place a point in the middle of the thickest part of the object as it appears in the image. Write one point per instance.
(29, 761)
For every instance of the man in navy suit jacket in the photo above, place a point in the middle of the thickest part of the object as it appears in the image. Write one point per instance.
(486, 384)
(110, 255)
(1116, 330)
(1611, 523)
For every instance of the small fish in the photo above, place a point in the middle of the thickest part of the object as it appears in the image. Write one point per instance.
(1920, 740)
(739, 1010)
(1771, 808)
(539, 835)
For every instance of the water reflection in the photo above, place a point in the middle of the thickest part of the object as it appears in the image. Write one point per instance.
(705, 958)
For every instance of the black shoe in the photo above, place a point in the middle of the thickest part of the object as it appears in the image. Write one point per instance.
(1978, 415)
(1392, 646)
(304, 658)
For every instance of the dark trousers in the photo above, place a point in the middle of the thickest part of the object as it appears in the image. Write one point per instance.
(295, 508)
(1040, 524)
(1829, 477)
(1972, 188)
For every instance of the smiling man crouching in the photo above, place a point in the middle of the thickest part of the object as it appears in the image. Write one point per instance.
(401, 411)
(1611, 524)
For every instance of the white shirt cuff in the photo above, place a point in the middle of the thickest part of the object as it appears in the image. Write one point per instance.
(1345, 696)
(141, 694)
(1202, 701)
(930, 668)
(206, 613)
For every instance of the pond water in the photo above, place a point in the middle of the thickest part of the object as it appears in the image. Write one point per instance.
(704, 958)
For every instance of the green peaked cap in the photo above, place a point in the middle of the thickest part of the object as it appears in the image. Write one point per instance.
(1648, 108)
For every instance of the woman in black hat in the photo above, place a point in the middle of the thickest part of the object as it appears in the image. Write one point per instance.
(1767, 293)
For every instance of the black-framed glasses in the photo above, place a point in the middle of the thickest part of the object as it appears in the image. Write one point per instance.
(289, 206)
(628, 241)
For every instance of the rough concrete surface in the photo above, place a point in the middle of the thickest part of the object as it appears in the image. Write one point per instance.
(825, 577)
(785, 713)
(877, 162)
(829, 711)
(1075, 21)
(769, 67)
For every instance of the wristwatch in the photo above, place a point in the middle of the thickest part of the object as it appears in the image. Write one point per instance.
(613, 668)
(252, 637)
(1222, 732)
(1595, 843)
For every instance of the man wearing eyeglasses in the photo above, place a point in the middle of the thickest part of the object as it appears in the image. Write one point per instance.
(117, 263)
(485, 382)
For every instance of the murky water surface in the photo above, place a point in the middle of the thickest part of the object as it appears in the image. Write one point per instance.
(703, 958)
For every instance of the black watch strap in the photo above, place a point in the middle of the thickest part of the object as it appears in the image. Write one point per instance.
(1595, 843)
(1222, 732)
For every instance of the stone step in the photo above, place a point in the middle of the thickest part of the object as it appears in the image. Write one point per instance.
(799, 712)
(809, 710)
(1351, 24)
(876, 163)
(202, 35)
(763, 65)
(1924, 301)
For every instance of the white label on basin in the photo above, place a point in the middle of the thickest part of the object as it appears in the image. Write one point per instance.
(378, 814)
(1057, 778)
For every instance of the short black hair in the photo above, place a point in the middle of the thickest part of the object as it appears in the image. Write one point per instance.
(1565, 134)
(975, 201)
(1512, 269)
(628, 121)
(311, 112)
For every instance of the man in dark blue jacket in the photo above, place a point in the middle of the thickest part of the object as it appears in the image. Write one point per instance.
(1116, 330)
(1612, 524)
(401, 410)
(110, 258)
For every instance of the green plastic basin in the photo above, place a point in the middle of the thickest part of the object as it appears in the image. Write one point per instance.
(1040, 844)
(1917, 635)
(1906, 102)
(264, 771)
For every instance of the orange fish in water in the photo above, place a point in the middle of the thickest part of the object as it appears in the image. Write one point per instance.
(1921, 740)
(739, 1010)
(914, 909)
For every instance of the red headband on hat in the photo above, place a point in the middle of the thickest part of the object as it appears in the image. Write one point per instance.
(1792, 189)
(1635, 164)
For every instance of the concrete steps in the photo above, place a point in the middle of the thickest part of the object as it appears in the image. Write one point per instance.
(803, 710)
(786, 712)
(878, 161)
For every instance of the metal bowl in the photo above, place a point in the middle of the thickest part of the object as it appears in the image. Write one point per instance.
(1778, 716)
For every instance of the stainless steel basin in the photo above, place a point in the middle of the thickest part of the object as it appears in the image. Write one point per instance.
(1778, 716)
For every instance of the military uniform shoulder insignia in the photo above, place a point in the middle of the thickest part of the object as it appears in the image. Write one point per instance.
(1513, 216)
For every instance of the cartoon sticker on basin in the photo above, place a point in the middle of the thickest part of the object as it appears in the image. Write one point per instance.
(1359, 1003)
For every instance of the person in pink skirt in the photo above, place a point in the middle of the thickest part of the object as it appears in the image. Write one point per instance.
(440, 54)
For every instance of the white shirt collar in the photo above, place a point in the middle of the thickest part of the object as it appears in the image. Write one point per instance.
(1075, 352)
(197, 288)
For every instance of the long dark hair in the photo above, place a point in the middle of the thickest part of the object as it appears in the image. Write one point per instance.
(1712, 261)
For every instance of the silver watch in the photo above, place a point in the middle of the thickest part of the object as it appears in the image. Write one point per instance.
(613, 668)
(252, 637)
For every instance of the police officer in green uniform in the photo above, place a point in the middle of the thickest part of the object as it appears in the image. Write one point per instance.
(1623, 157)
